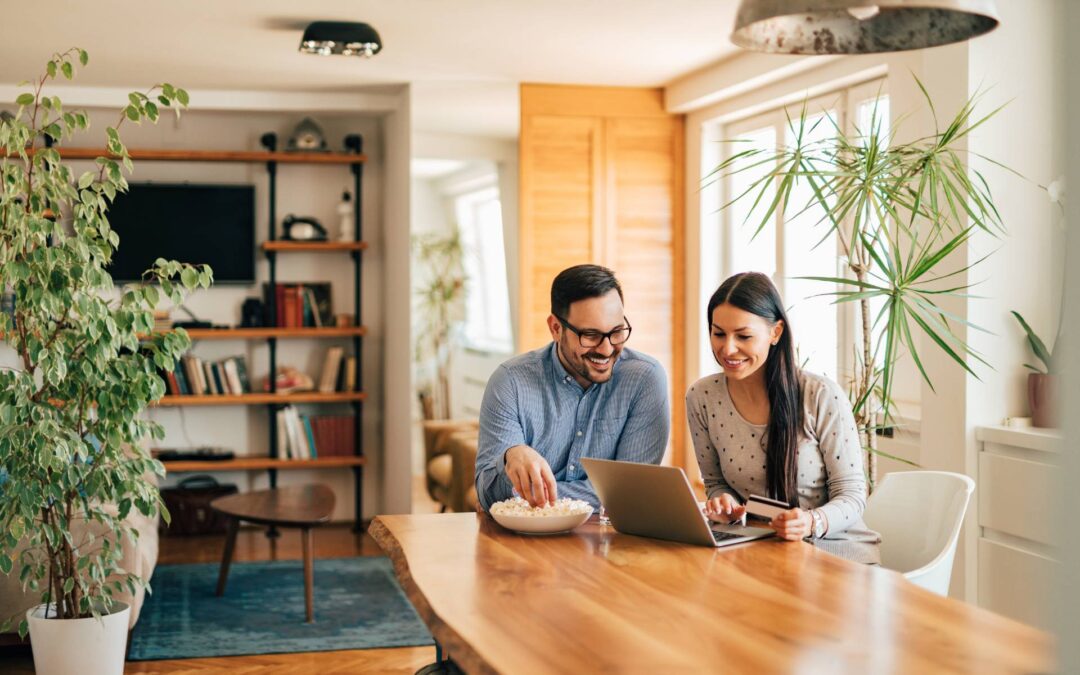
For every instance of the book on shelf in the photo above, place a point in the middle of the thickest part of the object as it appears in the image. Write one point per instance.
(347, 376)
(306, 305)
(333, 435)
(212, 384)
(192, 375)
(328, 378)
(304, 437)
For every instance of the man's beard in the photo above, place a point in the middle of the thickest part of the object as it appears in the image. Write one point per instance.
(580, 366)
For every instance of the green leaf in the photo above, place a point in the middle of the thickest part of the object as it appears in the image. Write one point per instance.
(66, 68)
(24, 99)
(1037, 345)
(189, 277)
(50, 68)
(84, 58)
(5, 564)
(132, 113)
(69, 584)
(182, 96)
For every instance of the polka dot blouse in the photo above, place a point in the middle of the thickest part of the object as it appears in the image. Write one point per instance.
(830, 471)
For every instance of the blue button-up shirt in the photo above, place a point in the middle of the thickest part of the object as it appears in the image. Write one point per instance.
(532, 400)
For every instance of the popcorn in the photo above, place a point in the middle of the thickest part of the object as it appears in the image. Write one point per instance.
(519, 507)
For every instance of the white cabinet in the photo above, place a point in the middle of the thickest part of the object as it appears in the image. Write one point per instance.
(1018, 493)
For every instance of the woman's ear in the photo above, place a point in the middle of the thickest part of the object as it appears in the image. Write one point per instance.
(777, 331)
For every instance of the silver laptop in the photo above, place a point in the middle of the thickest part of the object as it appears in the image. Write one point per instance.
(657, 501)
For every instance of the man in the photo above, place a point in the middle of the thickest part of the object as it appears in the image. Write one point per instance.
(584, 395)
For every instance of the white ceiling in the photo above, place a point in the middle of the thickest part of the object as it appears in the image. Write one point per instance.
(464, 58)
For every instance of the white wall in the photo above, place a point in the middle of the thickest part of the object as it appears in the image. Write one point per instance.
(307, 190)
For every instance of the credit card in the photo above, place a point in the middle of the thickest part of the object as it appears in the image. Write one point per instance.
(763, 507)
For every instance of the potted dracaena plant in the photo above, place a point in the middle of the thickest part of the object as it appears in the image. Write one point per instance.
(1042, 384)
(898, 211)
(82, 366)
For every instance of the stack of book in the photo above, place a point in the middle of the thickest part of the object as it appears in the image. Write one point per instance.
(300, 305)
(192, 375)
(312, 436)
(338, 371)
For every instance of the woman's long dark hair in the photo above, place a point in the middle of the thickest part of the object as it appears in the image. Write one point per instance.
(754, 292)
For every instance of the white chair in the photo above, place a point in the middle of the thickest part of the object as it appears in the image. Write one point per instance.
(919, 514)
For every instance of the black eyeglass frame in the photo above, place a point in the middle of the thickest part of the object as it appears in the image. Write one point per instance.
(597, 334)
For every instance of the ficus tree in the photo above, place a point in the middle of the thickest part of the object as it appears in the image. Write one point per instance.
(72, 460)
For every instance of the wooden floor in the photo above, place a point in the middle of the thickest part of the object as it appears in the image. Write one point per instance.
(331, 541)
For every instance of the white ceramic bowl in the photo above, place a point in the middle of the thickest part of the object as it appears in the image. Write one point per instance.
(542, 524)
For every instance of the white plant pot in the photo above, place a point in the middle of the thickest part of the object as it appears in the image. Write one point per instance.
(84, 646)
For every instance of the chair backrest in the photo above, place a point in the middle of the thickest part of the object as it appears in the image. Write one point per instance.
(919, 514)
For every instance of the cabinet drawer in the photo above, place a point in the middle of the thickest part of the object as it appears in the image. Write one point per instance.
(1016, 583)
(1016, 496)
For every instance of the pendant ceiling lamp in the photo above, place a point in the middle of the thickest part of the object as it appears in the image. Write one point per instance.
(340, 37)
(859, 26)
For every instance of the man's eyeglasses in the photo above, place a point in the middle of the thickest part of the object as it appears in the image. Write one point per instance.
(593, 338)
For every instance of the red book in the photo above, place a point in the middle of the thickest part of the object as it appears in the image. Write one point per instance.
(171, 384)
(279, 305)
(289, 307)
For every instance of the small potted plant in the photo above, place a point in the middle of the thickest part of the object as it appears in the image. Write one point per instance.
(81, 366)
(1042, 382)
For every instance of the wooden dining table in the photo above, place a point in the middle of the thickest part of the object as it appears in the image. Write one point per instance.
(595, 600)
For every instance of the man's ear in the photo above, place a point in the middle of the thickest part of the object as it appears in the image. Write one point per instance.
(554, 326)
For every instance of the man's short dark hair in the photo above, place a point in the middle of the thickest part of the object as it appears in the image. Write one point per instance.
(578, 283)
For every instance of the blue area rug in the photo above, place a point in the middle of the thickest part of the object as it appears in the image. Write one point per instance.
(358, 605)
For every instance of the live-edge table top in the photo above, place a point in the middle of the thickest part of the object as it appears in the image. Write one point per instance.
(596, 600)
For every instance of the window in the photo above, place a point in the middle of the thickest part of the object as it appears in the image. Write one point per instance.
(825, 333)
(487, 301)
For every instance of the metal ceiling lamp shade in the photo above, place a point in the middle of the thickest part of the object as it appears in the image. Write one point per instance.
(340, 37)
(859, 26)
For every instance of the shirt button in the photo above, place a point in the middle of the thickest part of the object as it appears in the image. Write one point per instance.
(579, 433)
(571, 467)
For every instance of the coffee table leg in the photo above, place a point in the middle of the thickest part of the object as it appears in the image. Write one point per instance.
(226, 557)
(309, 602)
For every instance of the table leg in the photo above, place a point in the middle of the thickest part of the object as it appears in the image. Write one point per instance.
(309, 602)
(226, 557)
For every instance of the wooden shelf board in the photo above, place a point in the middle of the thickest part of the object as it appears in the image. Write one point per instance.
(270, 332)
(256, 463)
(172, 155)
(262, 399)
(314, 246)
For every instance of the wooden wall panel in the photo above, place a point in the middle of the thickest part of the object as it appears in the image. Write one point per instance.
(644, 168)
(558, 211)
(601, 182)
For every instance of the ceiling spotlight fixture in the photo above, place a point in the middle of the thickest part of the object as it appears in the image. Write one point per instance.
(859, 26)
(340, 37)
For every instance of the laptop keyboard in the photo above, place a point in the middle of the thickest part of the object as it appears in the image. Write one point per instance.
(720, 535)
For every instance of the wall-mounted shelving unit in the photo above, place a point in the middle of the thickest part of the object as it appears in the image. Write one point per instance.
(271, 249)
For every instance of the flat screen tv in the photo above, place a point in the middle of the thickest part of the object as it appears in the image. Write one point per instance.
(191, 223)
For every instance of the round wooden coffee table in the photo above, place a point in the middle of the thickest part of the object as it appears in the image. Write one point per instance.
(302, 506)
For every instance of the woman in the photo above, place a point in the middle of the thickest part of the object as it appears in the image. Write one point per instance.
(765, 427)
